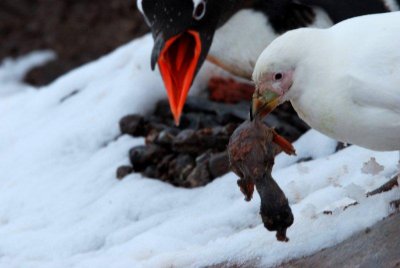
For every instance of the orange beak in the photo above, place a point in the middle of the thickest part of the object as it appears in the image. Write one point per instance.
(177, 62)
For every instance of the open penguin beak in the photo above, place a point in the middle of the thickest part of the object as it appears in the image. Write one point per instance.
(177, 58)
(264, 103)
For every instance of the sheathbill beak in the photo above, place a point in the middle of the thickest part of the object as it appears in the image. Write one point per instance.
(264, 103)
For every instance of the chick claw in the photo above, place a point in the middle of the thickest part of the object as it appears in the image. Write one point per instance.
(285, 145)
(247, 188)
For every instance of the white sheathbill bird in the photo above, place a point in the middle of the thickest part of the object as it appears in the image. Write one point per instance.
(231, 33)
(343, 81)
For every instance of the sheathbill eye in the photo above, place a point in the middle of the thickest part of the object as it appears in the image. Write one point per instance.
(278, 76)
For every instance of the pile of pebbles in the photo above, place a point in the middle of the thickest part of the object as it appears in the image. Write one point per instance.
(195, 153)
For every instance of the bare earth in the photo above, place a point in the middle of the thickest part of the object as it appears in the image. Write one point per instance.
(378, 246)
(375, 247)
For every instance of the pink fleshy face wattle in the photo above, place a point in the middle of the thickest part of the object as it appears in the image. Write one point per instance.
(278, 86)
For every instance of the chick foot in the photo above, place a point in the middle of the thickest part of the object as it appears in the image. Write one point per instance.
(247, 188)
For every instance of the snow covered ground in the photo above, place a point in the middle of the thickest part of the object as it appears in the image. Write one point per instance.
(61, 206)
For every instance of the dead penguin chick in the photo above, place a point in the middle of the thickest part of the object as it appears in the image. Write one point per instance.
(252, 149)
(275, 210)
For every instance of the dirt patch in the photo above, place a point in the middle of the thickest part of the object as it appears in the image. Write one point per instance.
(79, 31)
(378, 246)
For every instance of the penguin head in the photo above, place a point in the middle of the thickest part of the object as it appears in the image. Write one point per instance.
(183, 31)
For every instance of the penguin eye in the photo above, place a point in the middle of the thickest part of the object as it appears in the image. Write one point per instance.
(200, 10)
(278, 76)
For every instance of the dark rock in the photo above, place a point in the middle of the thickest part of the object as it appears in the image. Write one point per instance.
(124, 171)
(210, 138)
(186, 141)
(166, 137)
(156, 127)
(192, 142)
(226, 118)
(203, 158)
(180, 168)
(201, 105)
(163, 167)
(151, 172)
(151, 136)
(163, 110)
(142, 156)
(216, 138)
(135, 156)
(199, 176)
(219, 164)
(197, 121)
(153, 119)
(132, 125)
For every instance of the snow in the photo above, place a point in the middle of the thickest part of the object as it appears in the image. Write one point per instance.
(372, 167)
(61, 205)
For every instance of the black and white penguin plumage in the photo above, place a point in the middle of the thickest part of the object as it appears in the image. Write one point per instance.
(232, 33)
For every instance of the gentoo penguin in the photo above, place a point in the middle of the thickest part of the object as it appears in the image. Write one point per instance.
(231, 33)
